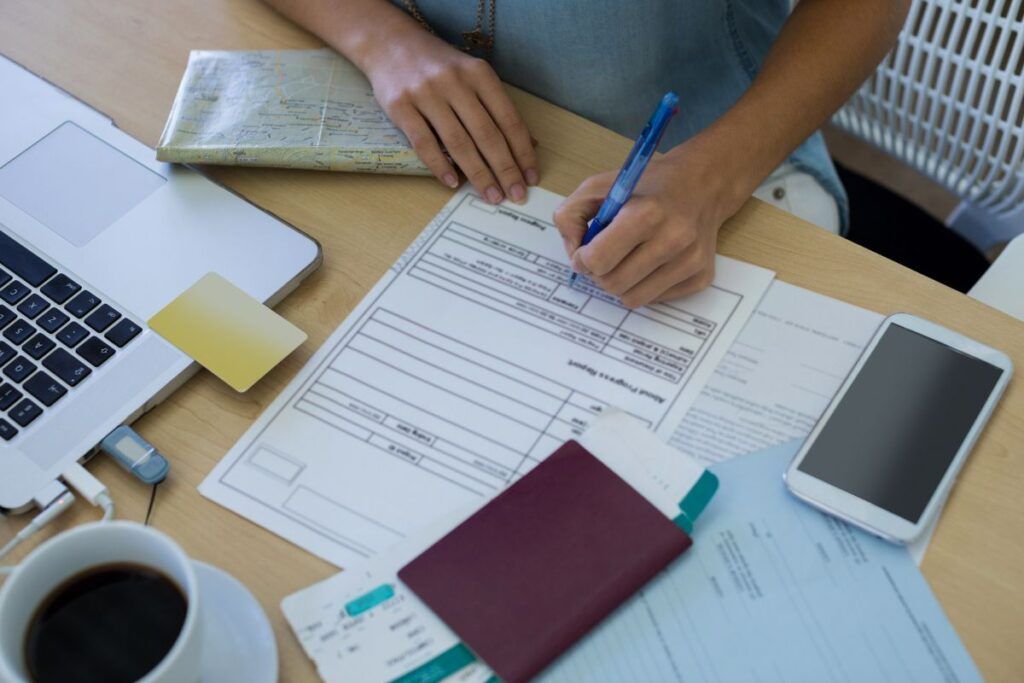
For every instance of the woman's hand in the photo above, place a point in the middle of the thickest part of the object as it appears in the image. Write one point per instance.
(453, 108)
(661, 245)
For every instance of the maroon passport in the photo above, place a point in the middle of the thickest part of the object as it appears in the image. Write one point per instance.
(544, 562)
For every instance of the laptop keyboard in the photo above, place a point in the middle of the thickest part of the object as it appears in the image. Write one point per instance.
(53, 334)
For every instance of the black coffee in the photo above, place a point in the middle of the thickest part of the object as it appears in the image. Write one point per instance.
(107, 624)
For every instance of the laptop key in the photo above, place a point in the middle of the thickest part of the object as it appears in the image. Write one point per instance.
(66, 367)
(7, 430)
(8, 395)
(123, 332)
(83, 302)
(72, 334)
(60, 288)
(6, 316)
(102, 318)
(45, 388)
(52, 320)
(25, 412)
(19, 368)
(4, 276)
(6, 353)
(33, 306)
(19, 331)
(14, 291)
(96, 351)
(38, 346)
(23, 262)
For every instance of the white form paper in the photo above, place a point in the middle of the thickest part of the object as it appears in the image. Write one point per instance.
(778, 377)
(469, 362)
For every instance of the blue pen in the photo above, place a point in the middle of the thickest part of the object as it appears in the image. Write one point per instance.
(634, 166)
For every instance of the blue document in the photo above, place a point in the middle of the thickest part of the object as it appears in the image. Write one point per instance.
(773, 590)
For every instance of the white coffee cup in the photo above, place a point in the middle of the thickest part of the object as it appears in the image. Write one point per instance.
(90, 545)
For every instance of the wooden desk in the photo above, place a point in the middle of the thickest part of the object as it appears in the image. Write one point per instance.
(126, 59)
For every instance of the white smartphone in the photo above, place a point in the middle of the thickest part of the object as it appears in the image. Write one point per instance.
(887, 450)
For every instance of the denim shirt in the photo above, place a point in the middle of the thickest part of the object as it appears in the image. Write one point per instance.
(612, 61)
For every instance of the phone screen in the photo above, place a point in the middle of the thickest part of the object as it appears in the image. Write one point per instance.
(901, 422)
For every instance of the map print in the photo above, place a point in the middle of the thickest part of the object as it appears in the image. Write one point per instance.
(308, 109)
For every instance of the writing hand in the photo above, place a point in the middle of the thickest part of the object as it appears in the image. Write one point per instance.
(661, 245)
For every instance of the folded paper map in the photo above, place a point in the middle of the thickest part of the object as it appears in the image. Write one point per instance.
(309, 109)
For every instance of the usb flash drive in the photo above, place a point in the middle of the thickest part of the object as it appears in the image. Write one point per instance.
(136, 455)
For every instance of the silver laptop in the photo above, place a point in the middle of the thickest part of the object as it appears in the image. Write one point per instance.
(95, 238)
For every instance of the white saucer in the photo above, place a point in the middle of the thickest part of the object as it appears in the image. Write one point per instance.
(238, 642)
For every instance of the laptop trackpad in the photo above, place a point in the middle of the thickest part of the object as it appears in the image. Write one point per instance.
(76, 184)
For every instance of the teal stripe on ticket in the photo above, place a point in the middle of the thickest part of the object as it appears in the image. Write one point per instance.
(370, 600)
(695, 500)
(699, 496)
(440, 667)
(683, 522)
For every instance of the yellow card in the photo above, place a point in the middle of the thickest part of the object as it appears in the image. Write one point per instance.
(227, 331)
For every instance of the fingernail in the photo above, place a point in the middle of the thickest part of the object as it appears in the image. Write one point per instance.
(493, 195)
(531, 177)
(518, 193)
(451, 180)
(577, 265)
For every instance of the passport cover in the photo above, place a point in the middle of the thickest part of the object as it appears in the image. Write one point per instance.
(544, 562)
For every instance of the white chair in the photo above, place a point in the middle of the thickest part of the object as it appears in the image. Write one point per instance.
(1002, 285)
(949, 102)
